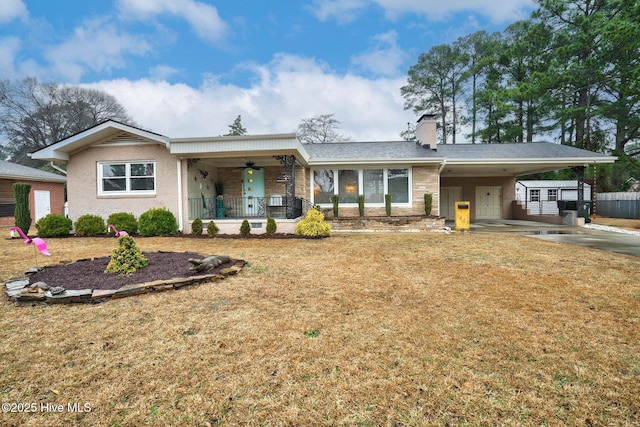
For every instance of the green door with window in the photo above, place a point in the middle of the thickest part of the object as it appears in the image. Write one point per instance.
(253, 192)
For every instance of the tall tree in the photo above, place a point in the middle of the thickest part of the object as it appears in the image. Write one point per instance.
(236, 128)
(320, 129)
(577, 62)
(481, 50)
(34, 115)
(434, 85)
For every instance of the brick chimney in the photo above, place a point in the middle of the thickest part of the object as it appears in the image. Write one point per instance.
(426, 131)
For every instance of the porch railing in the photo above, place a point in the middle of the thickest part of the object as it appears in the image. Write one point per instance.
(237, 207)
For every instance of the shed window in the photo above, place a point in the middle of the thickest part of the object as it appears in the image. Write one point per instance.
(534, 195)
(127, 178)
(552, 195)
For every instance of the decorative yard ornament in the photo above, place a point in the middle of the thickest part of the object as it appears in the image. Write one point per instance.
(38, 243)
(117, 233)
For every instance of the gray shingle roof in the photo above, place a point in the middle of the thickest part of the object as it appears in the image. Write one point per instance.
(371, 151)
(10, 170)
(534, 150)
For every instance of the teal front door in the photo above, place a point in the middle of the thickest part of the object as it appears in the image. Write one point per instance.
(253, 192)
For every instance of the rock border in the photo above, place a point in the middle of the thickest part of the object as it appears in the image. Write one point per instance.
(21, 292)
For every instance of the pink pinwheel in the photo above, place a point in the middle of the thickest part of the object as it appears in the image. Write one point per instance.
(37, 242)
(118, 233)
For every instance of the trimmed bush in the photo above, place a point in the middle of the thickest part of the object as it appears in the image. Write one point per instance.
(361, 205)
(272, 227)
(22, 213)
(127, 258)
(245, 228)
(123, 221)
(158, 222)
(428, 203)
(89, 225)
(54, 225)
(313, 225)
(336, 204)
(196, 227)
(212, 229)
(387, 204)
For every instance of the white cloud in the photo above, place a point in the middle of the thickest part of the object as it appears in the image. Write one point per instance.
(434, 10)
(285, 90)
(496, 10)
(343, 11)
(203, 18)
(12, 9)
(9, 46)
(97, 46)
(162, 72)
(385, 58)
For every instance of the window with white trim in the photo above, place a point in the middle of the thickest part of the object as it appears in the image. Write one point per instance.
(127, 178)
(534, 195)
(552, 195)
(372, 183)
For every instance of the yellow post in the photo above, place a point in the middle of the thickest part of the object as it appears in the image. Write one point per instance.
(462, 210)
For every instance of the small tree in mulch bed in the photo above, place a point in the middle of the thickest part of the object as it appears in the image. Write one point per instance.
(245, 228)
(196, 227)
(272, 227)
(127, 258)
(212, 229)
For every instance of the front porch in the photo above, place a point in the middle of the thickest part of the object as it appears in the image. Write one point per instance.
(277, 206)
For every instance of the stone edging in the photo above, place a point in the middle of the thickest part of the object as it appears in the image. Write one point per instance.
(18, 289)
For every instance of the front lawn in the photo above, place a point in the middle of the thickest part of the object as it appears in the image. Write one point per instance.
(364, 330)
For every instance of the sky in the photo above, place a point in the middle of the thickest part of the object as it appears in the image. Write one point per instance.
(188, 68)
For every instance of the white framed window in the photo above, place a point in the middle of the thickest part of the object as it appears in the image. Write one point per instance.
(372, 183)
(552, 195)
(117, 178)
(534, 195)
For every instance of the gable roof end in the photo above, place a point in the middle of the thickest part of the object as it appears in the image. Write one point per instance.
(59, 151)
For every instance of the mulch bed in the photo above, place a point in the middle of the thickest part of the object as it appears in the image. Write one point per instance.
(89, 274)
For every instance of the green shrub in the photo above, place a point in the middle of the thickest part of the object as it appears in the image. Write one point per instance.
(127, 258)
(89, 225)
(123, 221)
(336, 202)
(272, 227)
(313, 225)
(245, 228)
(196, 227)
(428, 203)
(212, 229)
(54, 225)
(22, 213)
(158, 222)
(361, 205)
(387, 204)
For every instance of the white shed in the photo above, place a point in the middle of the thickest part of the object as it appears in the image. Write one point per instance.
(541, 197)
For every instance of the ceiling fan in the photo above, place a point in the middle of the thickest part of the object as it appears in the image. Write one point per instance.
(250, 165)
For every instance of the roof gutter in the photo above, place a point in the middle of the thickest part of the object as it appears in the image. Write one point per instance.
(62, 171)
(444, 163)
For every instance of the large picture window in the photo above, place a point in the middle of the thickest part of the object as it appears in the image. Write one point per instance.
(322, 186)
(373, 184)
(127, 178)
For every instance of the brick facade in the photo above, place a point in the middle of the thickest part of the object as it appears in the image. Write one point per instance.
(56, 197)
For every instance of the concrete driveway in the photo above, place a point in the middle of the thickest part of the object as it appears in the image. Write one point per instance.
(593, 236)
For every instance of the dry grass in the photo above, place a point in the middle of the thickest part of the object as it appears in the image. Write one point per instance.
(361, 330)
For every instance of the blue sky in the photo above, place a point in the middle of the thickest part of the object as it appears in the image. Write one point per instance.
(188, 68)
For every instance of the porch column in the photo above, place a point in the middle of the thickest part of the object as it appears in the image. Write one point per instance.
(579, 170)
(289, 163)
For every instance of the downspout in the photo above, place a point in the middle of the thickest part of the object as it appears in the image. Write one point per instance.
(444, 163)
(180, 216)
(62, 171)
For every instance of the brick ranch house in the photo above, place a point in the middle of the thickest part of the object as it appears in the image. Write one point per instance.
(46, 196)
(113, 167)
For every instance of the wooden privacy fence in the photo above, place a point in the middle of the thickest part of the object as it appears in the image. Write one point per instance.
(618, 205)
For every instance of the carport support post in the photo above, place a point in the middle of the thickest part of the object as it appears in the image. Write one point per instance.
(579, 170)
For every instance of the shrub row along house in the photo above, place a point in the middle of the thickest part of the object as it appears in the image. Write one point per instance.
(113, 167)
